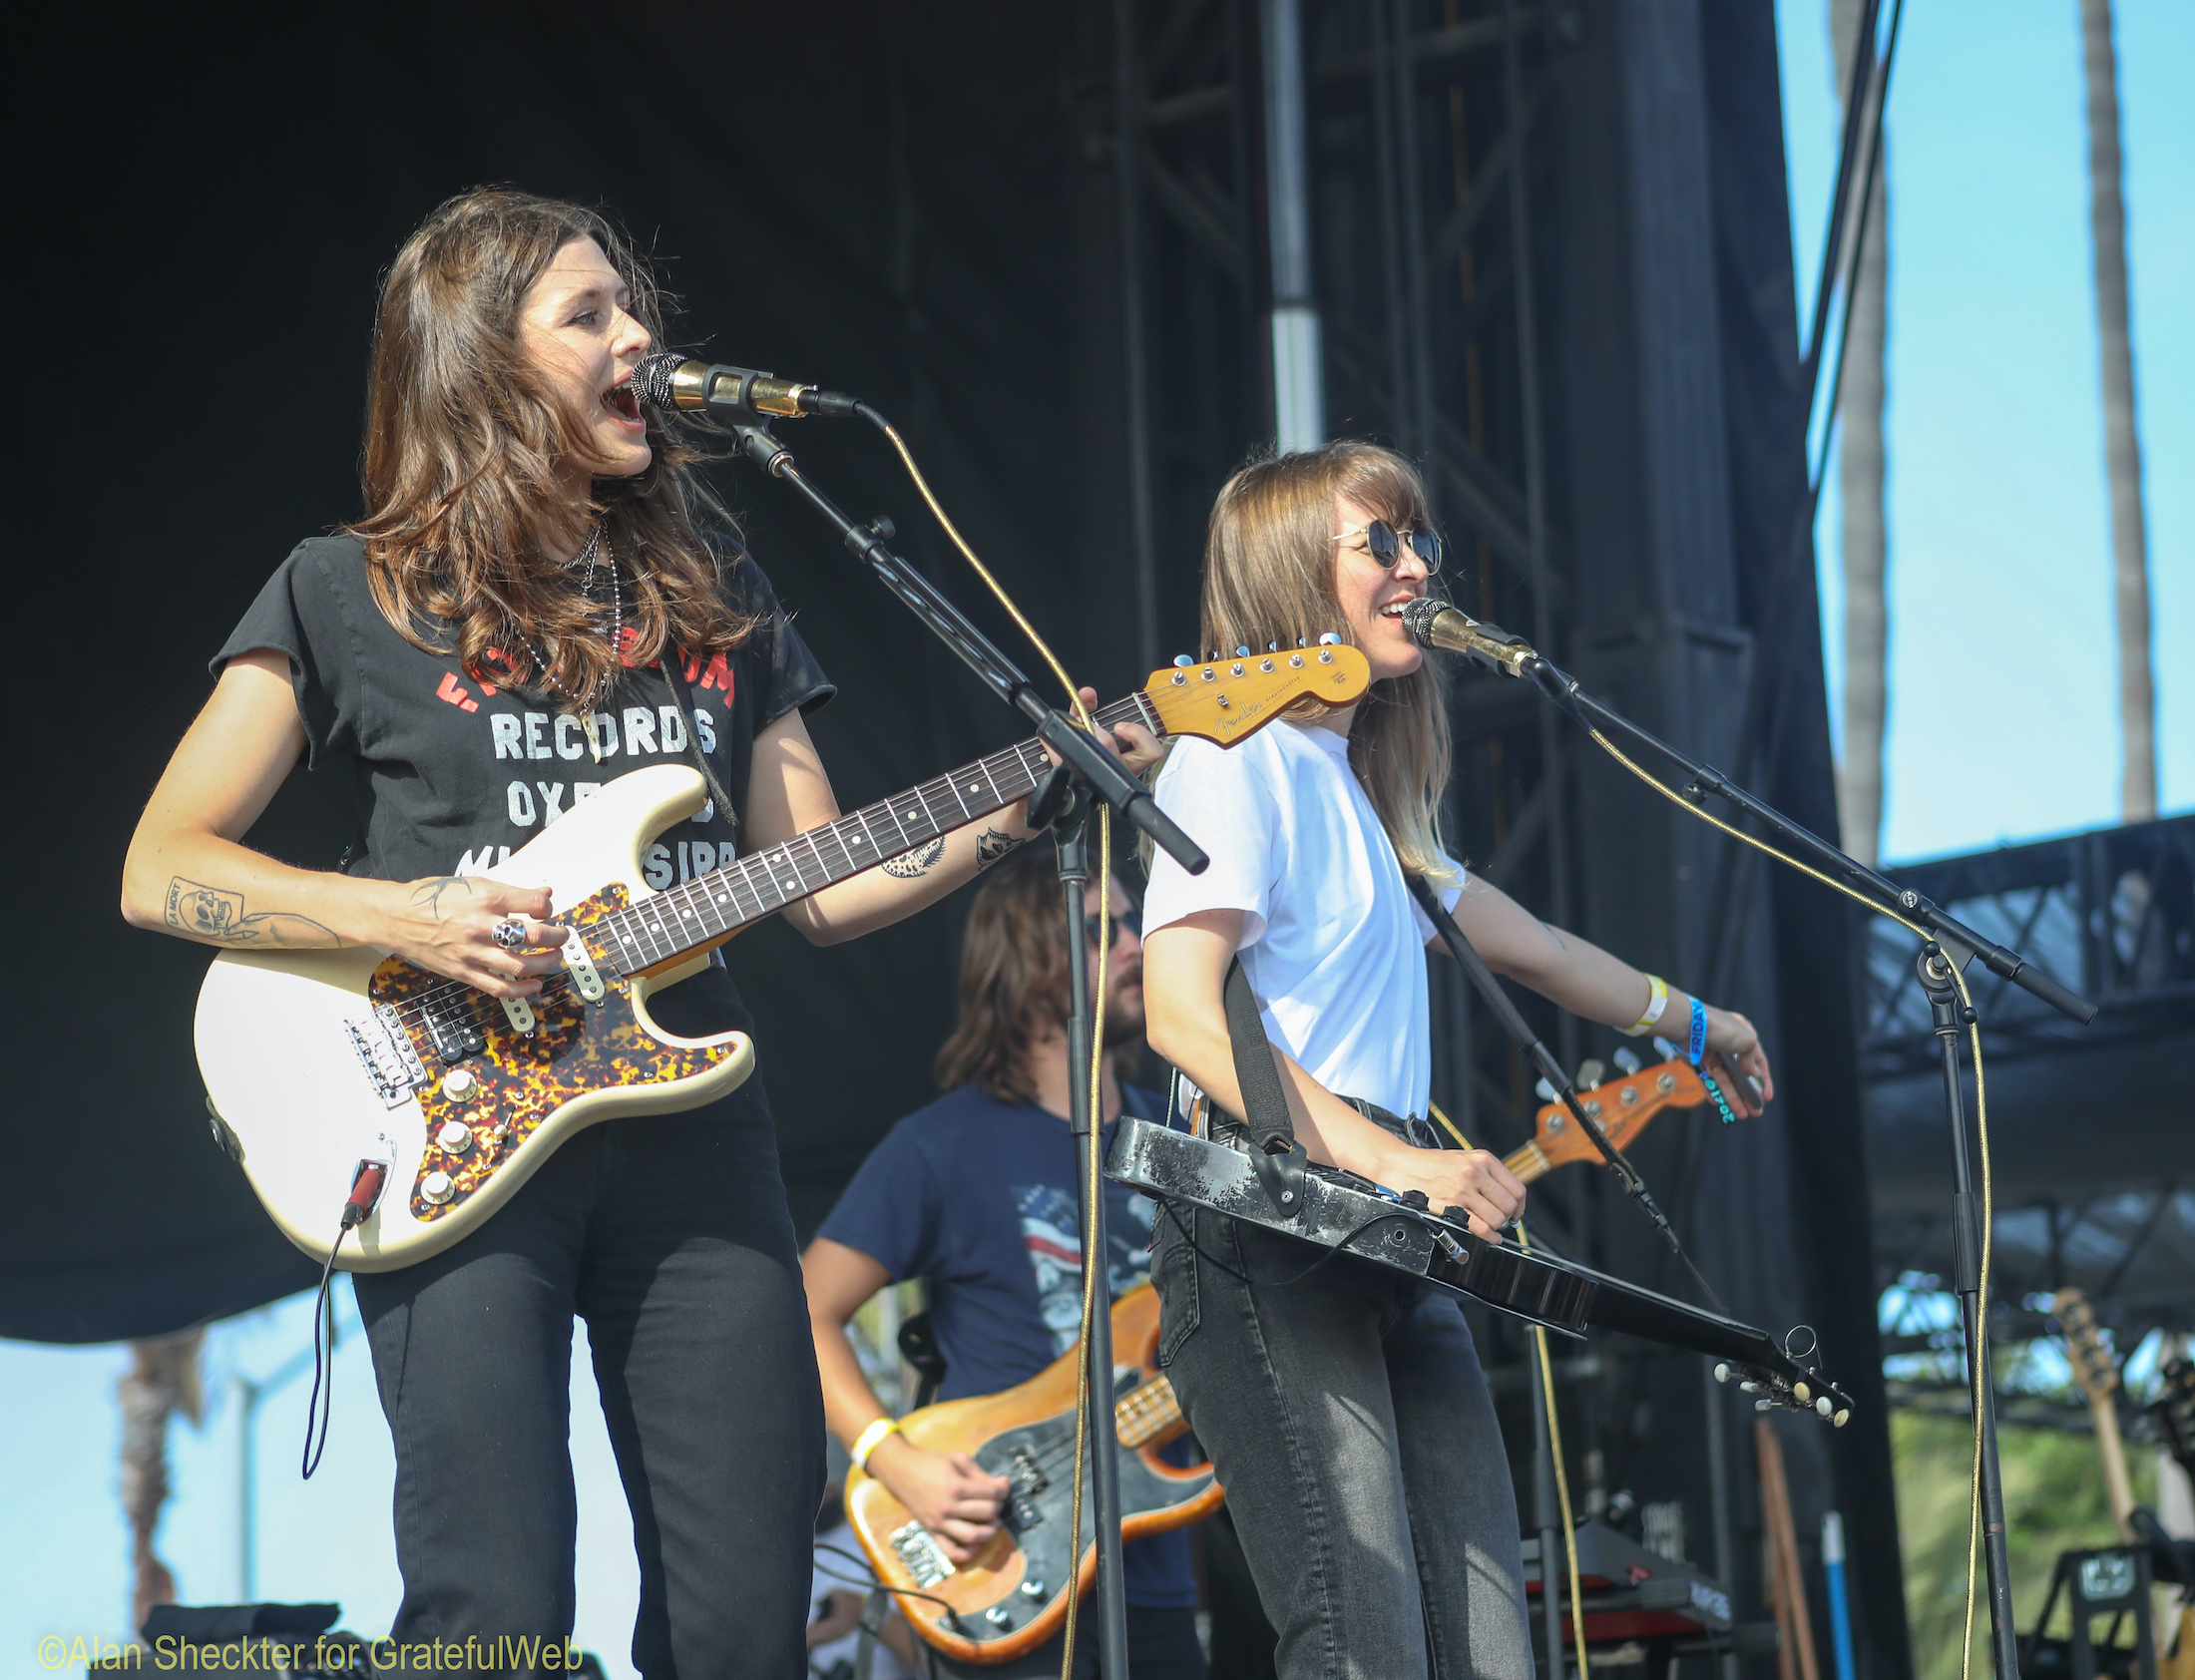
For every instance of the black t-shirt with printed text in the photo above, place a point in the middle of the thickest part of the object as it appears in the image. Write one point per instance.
(454, 775)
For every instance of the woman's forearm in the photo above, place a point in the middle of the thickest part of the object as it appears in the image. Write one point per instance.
(1567, 969)
(213, 890)
(913, 881)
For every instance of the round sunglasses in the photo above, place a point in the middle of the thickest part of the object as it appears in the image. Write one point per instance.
(1385, 544)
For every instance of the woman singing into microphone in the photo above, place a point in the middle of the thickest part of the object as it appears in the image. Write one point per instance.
(1346, 1412)
(485, 649)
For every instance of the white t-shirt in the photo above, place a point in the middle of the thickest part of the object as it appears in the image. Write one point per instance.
(1333, 944)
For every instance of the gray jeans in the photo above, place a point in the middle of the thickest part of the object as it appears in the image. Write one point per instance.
(1353, 1431)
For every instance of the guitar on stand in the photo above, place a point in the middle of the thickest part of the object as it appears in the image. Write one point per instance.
(2113, 1581)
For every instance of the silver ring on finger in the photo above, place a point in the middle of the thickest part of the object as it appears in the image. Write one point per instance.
(510, 933)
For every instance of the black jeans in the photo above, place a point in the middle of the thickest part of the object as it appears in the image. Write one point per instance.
(1354, 1434)
(668, 1234)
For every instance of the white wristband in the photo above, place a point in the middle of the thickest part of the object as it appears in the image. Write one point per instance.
(1655, 1003)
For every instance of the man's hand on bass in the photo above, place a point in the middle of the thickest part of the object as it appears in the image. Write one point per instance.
(949, 1494)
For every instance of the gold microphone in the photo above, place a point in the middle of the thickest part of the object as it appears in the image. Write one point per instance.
(1436, 623)
(663, 380)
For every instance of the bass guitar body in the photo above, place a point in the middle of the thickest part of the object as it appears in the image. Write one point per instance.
(1013, 1595)
(319, 1061)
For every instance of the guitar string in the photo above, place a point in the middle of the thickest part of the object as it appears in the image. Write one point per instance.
(1129, 710)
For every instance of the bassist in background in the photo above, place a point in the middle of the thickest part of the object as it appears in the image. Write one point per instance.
(1344, 1409)
(977, 1196)
(487, 647)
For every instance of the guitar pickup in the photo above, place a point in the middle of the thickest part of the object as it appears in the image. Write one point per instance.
(452, 1029)
(580, 962)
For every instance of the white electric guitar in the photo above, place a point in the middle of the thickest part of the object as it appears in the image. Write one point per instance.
(329, 1071)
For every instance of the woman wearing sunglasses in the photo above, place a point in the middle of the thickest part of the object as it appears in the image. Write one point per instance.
(1345, 1409)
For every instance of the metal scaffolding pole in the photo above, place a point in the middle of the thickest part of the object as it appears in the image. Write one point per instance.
(1299, 379)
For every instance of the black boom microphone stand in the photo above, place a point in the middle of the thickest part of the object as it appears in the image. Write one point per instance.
(1949, 942)
(1066, 800)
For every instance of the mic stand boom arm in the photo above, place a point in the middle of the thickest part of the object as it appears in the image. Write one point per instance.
(1961, 941)
(1950, 946)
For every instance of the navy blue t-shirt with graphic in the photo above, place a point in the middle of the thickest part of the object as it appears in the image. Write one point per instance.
(977, 1197)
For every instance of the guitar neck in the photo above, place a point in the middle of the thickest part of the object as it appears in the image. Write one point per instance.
(695, 915)
(1527, 1163)
(2098, 1372)
(1148, 1413)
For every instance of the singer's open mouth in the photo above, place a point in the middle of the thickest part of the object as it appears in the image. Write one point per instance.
(621, 401)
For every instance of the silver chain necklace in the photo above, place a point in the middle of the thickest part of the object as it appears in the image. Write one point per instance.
(595, 548)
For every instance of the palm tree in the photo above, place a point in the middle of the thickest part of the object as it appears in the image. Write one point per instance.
(2123, 455)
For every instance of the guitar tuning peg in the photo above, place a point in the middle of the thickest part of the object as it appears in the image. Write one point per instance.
(1626, 1059)
(1183, 660)
(1303, 642)
(1328, 639)
(1590, 1072)
(1545, 1090)
(1242, 652)
(1665, 1049)
(1272, 647)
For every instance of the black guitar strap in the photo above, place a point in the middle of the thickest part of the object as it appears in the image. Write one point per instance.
(1275, 1155)
(675, 675)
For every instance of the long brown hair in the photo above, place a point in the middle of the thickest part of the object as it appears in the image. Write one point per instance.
(460, 468)
(1269, 575)
(1012, 975)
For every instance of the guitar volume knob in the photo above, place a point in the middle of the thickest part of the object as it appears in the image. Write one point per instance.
(1032, 1588)
(459, 1084)
(437, 1188)
(454, 1138)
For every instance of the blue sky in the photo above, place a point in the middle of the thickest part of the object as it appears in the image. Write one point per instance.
(2003, 709)
(2004, 721)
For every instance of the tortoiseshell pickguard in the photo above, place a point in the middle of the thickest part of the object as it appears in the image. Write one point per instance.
(524, 1078)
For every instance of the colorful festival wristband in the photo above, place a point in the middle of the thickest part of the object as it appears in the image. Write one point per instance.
(866, 1442)
(1698, 1053)
(1657, 1000)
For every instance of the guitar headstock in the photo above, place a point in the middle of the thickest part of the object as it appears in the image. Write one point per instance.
(2094, 1369)
(1623, 1106)
(1226, 700)
(1789, 1385)
(2174, 1411)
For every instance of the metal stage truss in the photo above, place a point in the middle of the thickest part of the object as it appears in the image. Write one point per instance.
(2093, 1161)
